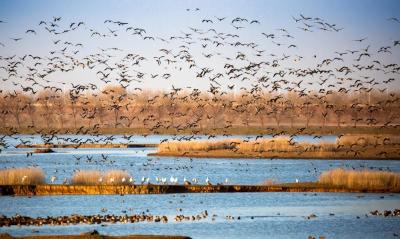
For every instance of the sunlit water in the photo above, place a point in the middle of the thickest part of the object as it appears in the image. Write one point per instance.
(275, 215)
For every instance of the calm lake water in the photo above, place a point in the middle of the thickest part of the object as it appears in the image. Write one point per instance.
(275, 215)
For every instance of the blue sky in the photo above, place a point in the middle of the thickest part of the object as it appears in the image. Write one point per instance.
(164, 19)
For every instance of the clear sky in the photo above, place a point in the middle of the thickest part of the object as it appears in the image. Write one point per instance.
(368, 19)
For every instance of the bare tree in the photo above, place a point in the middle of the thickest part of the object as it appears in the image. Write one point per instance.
(31, 109)
(59, 109)
(355, 113)
(45, 101)
(16, 104)
(73, 100)
(308, 111)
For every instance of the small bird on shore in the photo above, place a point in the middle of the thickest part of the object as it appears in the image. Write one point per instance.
(208, 181)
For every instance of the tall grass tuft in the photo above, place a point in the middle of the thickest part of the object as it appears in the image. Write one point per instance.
(93, 177)
(21, 176)
(366, 179)
(117, 177)
(87, 177)
(182, 146)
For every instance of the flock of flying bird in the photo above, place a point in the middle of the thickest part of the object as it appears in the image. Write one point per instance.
(222, 59)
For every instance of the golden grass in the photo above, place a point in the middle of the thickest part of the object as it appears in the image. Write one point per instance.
(368, 140)
(87, 177)
(278, 144)
(18, 176)
(93, 177)
(346, 147)
(117, 177)
(362, 180)
(181, 146)
(268, 182)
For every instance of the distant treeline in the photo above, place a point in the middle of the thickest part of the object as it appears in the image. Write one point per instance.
(114, 107)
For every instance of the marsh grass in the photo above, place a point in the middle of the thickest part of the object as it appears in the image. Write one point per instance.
(87, 177)
(268, 182)
(278, 144)
(345, 147)
(94, 177)
(115, 177)
(21, 176)
(362, 180)
(177, 146)
(363, 140)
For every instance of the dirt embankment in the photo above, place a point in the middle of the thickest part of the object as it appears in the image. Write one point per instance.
(27, 190)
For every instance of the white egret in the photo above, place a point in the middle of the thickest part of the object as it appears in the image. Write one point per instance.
(53, 179)
(208, 181)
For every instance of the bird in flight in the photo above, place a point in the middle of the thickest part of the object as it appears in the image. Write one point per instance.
(220, 19)
(394, 19)
(360, 40)
(30, 31)
(16, 39)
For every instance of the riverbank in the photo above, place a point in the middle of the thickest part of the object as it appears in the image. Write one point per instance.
(55, 189)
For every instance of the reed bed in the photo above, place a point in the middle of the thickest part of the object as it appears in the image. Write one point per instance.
(94, 177)
(21, 176)
(181, 146)
(368, 140)
(362, 180)
(268, 182)
(117, 177)
(345, 147)
(87, 177)
(278, 144)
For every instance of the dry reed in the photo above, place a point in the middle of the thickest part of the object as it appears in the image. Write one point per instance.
(93, 177)
(87, 177)
(182, 146)
(268, 182)
(117, 177)
(278, 144)
(368, 140)
(362, 180)
(21, 176)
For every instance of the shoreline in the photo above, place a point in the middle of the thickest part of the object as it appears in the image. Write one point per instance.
(58, 189)
(282, 155)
